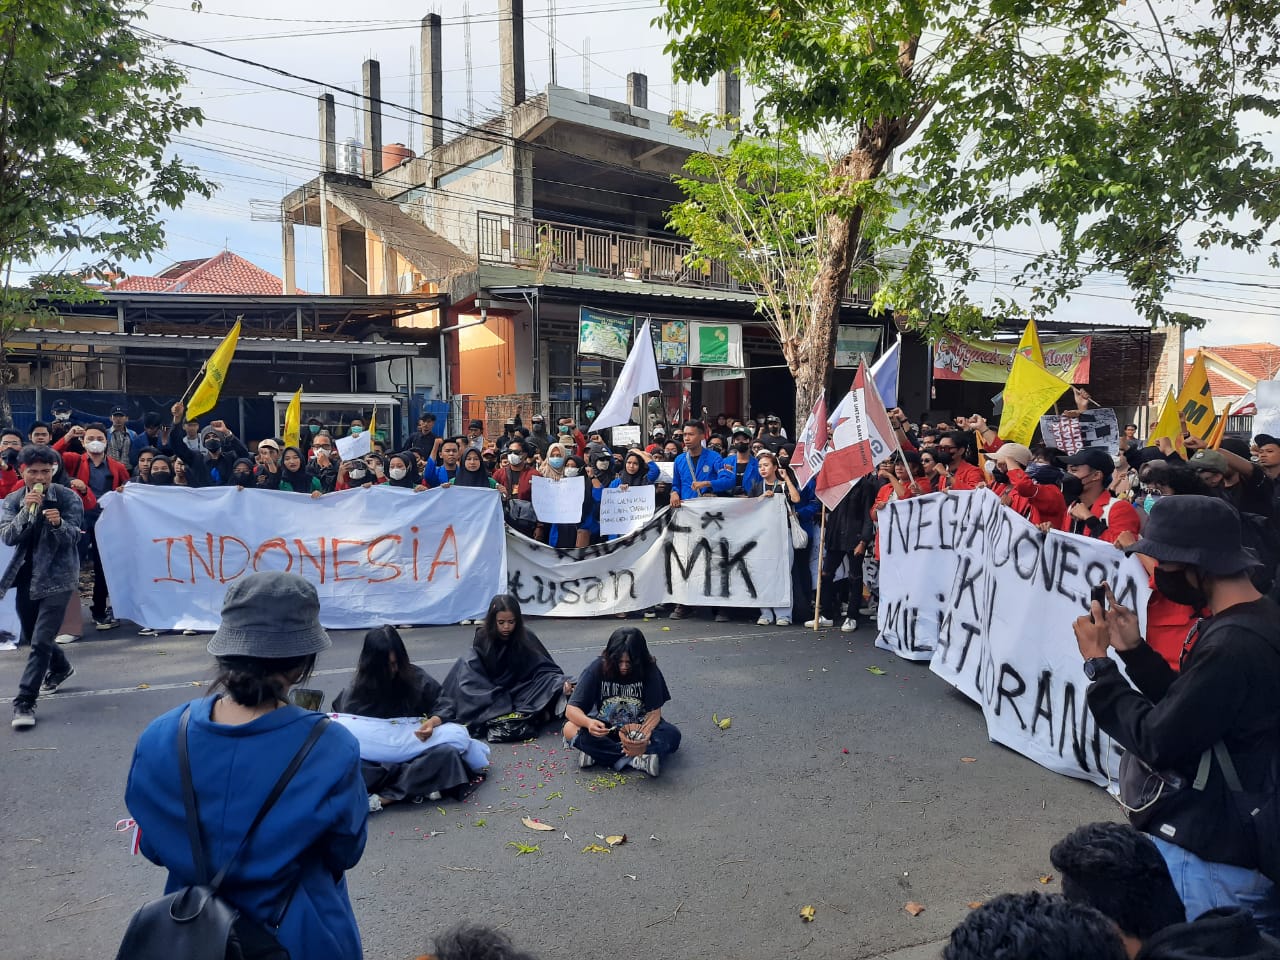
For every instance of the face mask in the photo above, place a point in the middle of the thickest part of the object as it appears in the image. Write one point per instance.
(244, 478)
(398, 473)
(62, 417)
(571, 471)
(1071, 488)
(564, 429)
(998, 475)
(356, 431)
(1179, 589)
(160, 478)
(1044, 473)
(742, 447)
(356, 474)
(10, 457)
(1149, 501)
(591, 414)
(539, 428)
(555, 462)
(515, 459)
(96, 446)
(603, 464)
(212, 445)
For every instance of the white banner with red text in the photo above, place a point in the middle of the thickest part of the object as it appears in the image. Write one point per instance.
(381, 555)
(988, 600)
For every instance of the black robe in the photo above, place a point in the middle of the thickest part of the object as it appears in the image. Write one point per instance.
(498, 678)
(436, 771)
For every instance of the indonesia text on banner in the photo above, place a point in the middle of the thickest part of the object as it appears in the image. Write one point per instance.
(383, 555)
(988, 600)
(708, 552)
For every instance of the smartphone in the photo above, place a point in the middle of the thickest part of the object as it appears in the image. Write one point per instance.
(1099, 595)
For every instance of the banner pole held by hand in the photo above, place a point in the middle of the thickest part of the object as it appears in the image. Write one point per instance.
(817, 597)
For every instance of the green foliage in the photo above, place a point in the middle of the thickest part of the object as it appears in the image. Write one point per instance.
(1133, 132)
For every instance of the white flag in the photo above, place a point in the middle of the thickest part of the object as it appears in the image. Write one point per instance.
(639, 376)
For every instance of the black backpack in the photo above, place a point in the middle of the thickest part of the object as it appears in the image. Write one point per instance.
(195, 923)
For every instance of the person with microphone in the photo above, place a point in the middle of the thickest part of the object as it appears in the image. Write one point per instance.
(42, 520)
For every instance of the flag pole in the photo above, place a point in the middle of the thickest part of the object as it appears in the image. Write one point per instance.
(817, 598)
(192, 385)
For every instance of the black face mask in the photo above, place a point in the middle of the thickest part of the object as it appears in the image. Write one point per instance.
(742, 447)
(9, 457)
(999, 476)
(1176, 586)
(161, 479)
(1071, 488)
(213, 446)
(244, 478)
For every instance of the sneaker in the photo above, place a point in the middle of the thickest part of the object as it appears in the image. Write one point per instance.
(849, 625)
(188, 632)
(679, 613)
(784, 621)
(106, 623)
(9, 642)
(722, 618)
(24, 716)
(465, 623)
(764, 621)
(65, 638)
(375, 803)
(820, 622)
(650, 614)
(585, 760)
(148, 632)
(649, 763)
(54, 680)
(435, 795)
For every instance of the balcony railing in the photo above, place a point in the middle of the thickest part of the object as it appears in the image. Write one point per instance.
(549, 247)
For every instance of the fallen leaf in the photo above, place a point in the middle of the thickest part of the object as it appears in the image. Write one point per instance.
(616, 841)
(807, 913)
(535, 825)
(913, 908)
(974, 904)
(654, 836)
(1047, 878)
(666, 629)
(595, 848)
(875, 671)
(631, 876)
(968, 759)
(523, 848)
(482, 823)
(442, 811)
(844, 749)
(723, 723)
(143, 686)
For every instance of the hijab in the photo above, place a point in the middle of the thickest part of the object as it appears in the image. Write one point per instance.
(508, 660)
(410, 479)
(638, 479)
(170, 479)
(545, 468)
(246, 482)
(471, 478)
(299, 480)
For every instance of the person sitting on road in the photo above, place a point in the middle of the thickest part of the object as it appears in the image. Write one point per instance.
(621, 694)
(508, 687)
(1034, 926)
(387, 686)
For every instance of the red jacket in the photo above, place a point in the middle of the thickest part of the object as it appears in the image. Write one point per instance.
(1038, 502)
(1115, 516)
(522, 489)
(967, 476)
(77, 466)
(10, 480)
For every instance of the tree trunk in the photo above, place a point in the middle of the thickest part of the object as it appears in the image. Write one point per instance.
(6, 409)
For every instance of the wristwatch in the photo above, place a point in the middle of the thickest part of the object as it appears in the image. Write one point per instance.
(1094, 666)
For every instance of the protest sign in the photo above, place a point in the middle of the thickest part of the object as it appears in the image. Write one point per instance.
(1092, 428)
(382, 555)
(622, 511)
(988, 600)
(666, 471)
(558, 501)
(626, 436)
(9, 622)
(355, 447)
(707, 552)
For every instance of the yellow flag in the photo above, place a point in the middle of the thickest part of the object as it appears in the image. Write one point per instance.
(1031, 342)
(215, 373)
(1195, 401)
(1219, 428)
(1168, 427)
(373, 425)
(1029, 392)
(293, 420)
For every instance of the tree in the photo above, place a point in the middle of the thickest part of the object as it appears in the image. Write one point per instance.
(87, 111)
(1128, 137)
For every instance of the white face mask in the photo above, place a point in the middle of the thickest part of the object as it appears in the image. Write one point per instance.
(357, 474)
(398, 473)
(95, 446)
(514, 459)
(570, 471)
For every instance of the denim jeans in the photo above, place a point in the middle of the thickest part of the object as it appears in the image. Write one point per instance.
(1204, 885)
(40, 622)
(607, 751)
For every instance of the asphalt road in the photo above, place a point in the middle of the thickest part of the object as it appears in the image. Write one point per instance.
(744, 827)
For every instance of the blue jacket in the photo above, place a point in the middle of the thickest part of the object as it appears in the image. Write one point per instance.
(318, 824)
(752, 483)
(709, 464)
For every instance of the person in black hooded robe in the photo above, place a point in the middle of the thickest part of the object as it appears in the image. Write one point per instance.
(508, 687)
(388, 686)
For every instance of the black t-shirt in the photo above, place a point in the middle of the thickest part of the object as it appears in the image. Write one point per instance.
(621, 701)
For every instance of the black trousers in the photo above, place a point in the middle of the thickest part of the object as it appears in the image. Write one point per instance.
(831, 561)
(40, 621)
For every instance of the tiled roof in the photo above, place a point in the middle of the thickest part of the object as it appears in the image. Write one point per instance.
(1248, 361)
(225, 273)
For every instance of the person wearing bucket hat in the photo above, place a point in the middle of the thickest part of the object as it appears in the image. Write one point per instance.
(1214, 723)
(241, 737)
(1096, 512)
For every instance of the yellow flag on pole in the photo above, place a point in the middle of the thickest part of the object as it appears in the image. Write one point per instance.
(1195, 400)
(293, 420)
(1219, 428)
(1169, 427)
(1030, 343)
(215, 374)
(373, 425)
(1028, 393)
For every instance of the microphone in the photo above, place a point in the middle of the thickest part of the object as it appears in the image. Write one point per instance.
(31, 510)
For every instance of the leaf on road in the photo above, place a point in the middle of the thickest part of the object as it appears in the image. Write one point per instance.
(875, 671)
(654, 836)
(974, 904)
(595, 848)
(968, 759)
(1047, 878)
(722, 724)
(631, 876)
(482, 823)
(807, 913)
(535, 824)
(913, 908)
(143, 686)
(616, 841)
(523, 848)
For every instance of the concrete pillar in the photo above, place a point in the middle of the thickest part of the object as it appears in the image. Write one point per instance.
(372, 118)
(638, 90)
(511, 52)
(729, 94)
(289, 283)
(432, 84)
(328, 134)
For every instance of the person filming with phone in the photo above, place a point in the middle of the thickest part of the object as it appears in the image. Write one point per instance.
(1202, 746)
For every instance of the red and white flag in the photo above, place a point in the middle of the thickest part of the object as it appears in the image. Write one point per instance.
(861, 437)
(811, 446)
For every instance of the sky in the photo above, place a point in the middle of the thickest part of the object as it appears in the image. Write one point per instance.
(259, 138)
